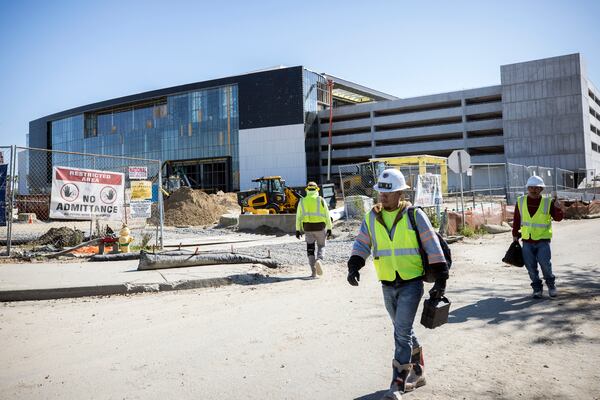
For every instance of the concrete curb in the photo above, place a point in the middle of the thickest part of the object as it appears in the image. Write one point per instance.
(106, 290)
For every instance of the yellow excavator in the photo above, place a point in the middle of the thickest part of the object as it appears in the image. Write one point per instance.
(271, 197)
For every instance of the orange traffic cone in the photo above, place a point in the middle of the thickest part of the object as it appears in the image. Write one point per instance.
(30, 219)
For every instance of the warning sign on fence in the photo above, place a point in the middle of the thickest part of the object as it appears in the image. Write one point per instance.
(86, 194)
(141, 209)
(428, 191)
(141, 190)
(138, 172)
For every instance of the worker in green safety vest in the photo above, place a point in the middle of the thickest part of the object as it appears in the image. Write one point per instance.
(532, 222)
(389, 236)
(313, 221)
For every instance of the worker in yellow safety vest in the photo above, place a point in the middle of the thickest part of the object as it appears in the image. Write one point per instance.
(388, 234)
(313, 221)
(532, 222)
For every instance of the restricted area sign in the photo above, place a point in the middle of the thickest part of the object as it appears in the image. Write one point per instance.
(459, 161)
(86, 194)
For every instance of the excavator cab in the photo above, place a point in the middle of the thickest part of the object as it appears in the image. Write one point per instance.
(271, 197)
(273, 187)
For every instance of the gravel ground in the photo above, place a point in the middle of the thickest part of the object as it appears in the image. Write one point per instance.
(292, 255)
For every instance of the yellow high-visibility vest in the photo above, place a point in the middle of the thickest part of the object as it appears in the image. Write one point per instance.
(540, 225)
(312, 209)
(395, 251)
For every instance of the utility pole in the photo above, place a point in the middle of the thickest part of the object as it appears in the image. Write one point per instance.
(330, 87)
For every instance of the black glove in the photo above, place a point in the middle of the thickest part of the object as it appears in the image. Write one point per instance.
(438, 289)
(355, 263)
(298, 234)
(328, 233)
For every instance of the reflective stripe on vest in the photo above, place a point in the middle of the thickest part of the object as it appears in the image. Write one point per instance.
(400, 253)
(538, 226)
(320, 213)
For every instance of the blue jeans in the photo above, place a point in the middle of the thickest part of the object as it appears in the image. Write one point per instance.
(534, 253)
(402, 303)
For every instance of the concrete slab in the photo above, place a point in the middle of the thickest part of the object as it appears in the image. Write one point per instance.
(283, 222)
(43, 281)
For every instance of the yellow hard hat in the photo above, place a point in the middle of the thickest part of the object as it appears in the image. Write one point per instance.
(312, 186)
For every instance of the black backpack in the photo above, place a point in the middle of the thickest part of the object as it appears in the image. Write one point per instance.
(429, 275)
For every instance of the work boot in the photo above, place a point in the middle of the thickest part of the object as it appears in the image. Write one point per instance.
(416, 376)
(398, 385)
(537, 293)
(552, 291)
(319, 267)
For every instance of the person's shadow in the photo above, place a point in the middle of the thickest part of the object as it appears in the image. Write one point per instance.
(373, 396)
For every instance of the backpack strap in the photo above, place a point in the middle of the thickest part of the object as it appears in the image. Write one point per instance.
(411, 216)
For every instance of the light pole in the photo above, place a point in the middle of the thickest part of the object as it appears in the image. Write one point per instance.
(330, 87)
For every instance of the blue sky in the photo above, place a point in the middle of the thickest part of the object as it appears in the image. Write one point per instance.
(56, 55)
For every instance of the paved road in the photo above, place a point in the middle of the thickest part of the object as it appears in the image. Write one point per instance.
(295, 338)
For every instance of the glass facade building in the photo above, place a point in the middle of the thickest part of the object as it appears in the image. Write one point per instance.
(316, 98)
(195, 129)
(196, 133)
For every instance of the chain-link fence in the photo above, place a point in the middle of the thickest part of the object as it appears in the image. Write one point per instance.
(6, 176)
(573, 185)
(483, 179)
(589, 184)
(356, 183)
(487, 184)
(53, 189)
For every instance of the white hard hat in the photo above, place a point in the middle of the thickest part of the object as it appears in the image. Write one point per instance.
(391, 180)
(535, 181)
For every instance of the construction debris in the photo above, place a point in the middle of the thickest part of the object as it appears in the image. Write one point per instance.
(493, 229)
(69, 250)
(60, 237)
(580, 209)
(149, 261)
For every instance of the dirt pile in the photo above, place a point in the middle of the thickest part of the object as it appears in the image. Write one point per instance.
(60, 237)
(228, 200)
(194, 207)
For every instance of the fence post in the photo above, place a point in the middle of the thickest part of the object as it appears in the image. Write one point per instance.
(507, 173)
(490, 182)
(585, 181)
(160, 204)
(594, 183)
(556, 180)
(13, 156)
(343, 194)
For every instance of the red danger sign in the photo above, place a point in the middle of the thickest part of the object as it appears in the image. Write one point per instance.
(88, 176)
(87, 194)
